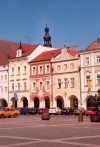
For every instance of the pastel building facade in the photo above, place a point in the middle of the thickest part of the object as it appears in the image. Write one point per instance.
(6, 47)
(90, 73)
(3, 86)
(41, 79)
(19, 73)
(66, 79)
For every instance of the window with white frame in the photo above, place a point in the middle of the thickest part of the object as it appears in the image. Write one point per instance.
(98, 79)
(1, 89)
(34, 86)
(5, 77)
(24, 69)
(40, 85)
(12, 71)
(87, 60)
(13, 87)
(18, 86)
(59, 83)
(58, 67)
(87, 78)
(72, 65)
(19, 53)
(18, 70)
(65, 83)
(33, 70)
(25, 86)
(47, 68)
(1, 78)
(5, 89)
(40, 69)
(72, 82)
(98, 59)
(65, 66)
(47, 85)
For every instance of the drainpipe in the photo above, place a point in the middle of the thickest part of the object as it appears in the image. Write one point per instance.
(8, 84)
(80, 86)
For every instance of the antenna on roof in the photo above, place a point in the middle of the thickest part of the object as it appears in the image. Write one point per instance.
(28, 38)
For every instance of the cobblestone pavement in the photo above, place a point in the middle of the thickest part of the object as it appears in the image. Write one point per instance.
(59, 131)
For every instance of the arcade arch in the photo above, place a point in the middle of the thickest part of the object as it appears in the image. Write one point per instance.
(47, 102)
(59, 102)
(89, 101)
(73, 101)
(3, 102)
(25, 101)
(36, 102)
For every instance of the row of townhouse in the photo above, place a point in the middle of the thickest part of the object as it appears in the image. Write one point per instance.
(49, 77)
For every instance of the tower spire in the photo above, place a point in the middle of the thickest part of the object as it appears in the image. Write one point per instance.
(47, 37)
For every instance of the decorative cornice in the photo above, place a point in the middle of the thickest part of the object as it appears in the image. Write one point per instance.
(64, 56)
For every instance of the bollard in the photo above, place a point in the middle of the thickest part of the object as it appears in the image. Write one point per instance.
(80, 117)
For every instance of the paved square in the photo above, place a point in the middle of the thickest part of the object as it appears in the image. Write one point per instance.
(59, 131)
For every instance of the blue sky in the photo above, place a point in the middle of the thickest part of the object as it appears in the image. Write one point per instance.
(71, 22)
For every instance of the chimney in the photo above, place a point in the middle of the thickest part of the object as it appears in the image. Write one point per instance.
(64, 46)
(98, 41)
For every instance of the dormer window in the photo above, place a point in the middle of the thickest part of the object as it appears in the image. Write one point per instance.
(19, 51)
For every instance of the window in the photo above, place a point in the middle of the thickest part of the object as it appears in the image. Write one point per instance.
(72, 65)
(12, 71)
(59, 83)
(98, 59)
(34, 70)
(19, 52)
(1, 89)
(1, 78)
(12, 86)
(72, 82)
(47, 68)
(5, 77)
(47, 85)
(58, 67)
(18, 70)
(24, 69)
(25, 86)
(65, 83)
(65, 66)
(40, 85)
(87, 60)
(34, 86)
(87, 78)
(98, 80)
(5, 89)
(18, 86)
(40, 69)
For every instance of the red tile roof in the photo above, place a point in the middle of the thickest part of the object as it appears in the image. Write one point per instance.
(73, 52)
(94, 45)
(46, 56)
(28, 49)
(9, 48)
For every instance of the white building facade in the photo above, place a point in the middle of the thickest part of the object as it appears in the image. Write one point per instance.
(90, 73)
(66, 79)
(4, 85)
